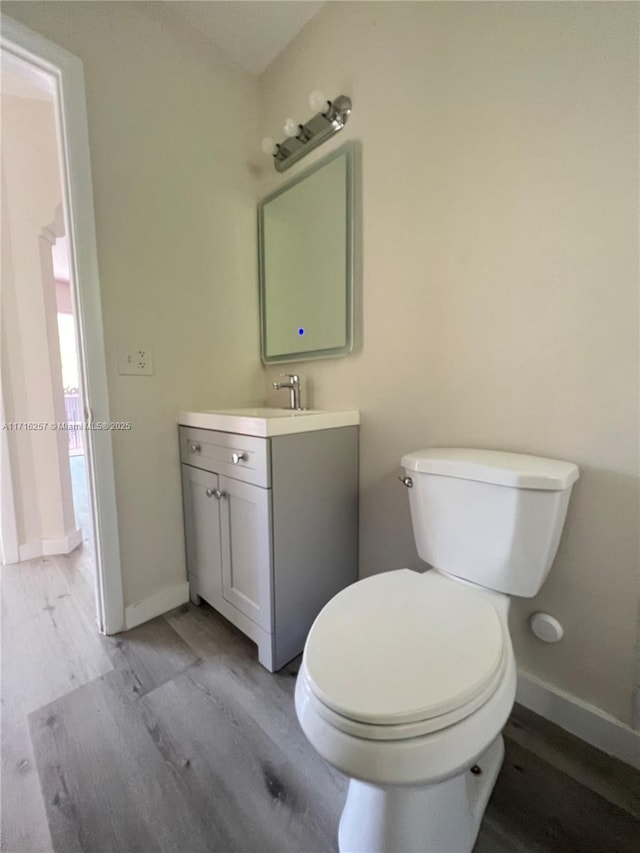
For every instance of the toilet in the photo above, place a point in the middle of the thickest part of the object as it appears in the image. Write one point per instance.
(407, 679)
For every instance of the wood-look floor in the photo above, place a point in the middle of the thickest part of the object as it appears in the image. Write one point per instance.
(173, 738)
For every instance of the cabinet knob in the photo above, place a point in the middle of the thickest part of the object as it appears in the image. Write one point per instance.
(216, 493)
(236, 458)
(195, 448)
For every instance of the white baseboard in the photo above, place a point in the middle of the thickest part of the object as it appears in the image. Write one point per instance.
(160, 602)
(29, 551)
(50, 547)
(62, 546)
(580, 718)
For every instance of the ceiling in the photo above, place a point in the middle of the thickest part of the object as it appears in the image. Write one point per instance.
(253, 33)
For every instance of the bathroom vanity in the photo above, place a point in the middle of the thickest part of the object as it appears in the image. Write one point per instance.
(270, 510)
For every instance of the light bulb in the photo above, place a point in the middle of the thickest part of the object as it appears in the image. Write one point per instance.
(268, 145)
(318, 101)
(290, 127)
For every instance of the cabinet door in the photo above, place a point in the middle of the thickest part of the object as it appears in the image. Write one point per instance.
(202, 532)
(245, 526)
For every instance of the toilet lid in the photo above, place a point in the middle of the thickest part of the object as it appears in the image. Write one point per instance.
(403, 647)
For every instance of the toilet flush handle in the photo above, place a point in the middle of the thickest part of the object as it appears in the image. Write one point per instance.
(406, 481)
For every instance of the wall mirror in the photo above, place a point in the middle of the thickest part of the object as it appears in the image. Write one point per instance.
(305, 232)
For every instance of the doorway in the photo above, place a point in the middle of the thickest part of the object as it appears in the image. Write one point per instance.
(74, 406)
(63, 415)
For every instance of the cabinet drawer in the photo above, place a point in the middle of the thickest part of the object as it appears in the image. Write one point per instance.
(216, 451)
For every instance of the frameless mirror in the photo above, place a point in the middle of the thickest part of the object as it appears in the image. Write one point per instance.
(306, 263)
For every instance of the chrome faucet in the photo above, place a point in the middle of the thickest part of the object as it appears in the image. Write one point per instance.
(293, 386)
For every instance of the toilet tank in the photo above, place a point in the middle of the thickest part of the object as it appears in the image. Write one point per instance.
(489, 517)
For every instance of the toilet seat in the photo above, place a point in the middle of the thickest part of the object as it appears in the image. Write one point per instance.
(400, 655)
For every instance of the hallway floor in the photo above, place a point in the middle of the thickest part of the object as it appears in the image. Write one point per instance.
(171, 737)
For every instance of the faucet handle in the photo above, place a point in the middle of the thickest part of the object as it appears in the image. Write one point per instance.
(292, 376)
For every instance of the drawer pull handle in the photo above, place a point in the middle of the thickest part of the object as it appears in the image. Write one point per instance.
(194, 448)
(210, 493)
(236, 458)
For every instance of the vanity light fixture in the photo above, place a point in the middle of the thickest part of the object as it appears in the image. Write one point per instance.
(331, 117)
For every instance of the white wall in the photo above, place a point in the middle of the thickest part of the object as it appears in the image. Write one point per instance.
(500, 278)
(171, 125)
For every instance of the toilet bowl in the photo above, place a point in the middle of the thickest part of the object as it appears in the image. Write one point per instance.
(409, 737)
(407, 679)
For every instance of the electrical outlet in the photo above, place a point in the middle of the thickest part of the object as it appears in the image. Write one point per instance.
(145, 365)
(135, 362)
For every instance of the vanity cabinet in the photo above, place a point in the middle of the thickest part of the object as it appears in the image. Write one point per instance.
(270, 528)
(228, 543)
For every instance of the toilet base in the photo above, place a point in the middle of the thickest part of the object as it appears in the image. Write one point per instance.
(441, 818)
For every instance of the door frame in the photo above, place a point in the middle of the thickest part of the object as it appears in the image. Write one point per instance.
(73, 137)
(9, 548)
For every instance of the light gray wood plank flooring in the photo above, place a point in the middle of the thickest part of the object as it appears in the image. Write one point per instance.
(50, 647)
(552, 811)
(172, 737)
(613, 780)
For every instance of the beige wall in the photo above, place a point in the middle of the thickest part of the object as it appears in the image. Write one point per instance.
(499, 278)
(32, 379)
(171, 126)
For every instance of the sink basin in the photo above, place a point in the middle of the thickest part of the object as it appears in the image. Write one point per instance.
(264, 412)
(265, 422)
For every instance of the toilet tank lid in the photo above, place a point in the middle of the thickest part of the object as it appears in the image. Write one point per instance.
(493, 466)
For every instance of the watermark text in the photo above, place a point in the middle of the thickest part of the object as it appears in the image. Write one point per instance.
(64, 426)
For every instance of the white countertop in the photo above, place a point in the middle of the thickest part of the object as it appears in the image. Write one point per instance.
(265, 422)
